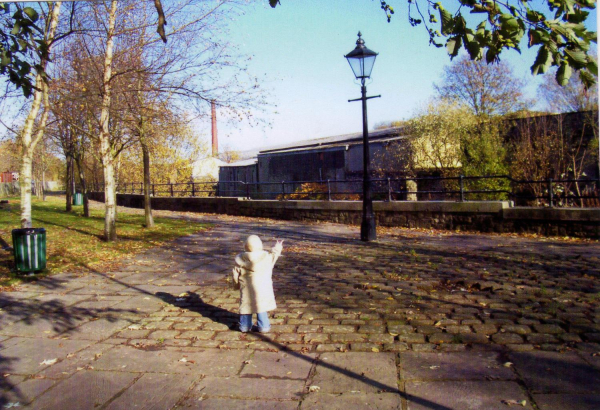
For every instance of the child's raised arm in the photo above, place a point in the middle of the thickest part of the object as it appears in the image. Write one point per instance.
(276, 251)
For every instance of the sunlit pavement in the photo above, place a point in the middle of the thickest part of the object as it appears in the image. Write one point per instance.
(416, 320)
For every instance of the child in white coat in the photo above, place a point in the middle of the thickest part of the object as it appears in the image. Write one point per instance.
(253, 274)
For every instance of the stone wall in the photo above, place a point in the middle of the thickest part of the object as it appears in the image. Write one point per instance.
(496, 216)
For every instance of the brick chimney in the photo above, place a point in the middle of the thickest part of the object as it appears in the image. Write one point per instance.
(215, 140)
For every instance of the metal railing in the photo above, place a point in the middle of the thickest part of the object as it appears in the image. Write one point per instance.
(549, 193)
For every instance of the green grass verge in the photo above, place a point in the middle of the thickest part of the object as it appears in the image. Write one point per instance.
(75, 243)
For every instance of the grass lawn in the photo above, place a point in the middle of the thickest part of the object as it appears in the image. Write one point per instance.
(75, 244)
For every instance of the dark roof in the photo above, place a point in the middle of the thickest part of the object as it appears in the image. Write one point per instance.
(241, 163)
(384, 134)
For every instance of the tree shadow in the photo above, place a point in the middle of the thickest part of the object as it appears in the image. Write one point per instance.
(6, 385)
(64, 319)
(4, 245)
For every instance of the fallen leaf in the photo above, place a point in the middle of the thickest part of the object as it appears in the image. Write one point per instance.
(376, 350)
(10, 405)
(183, 360)
(314, 388)
(508, 364)
(515, 402)
(48, 362)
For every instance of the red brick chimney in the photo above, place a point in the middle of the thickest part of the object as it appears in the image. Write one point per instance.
(215, 141)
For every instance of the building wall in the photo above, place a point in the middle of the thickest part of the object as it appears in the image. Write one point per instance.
(230, 178)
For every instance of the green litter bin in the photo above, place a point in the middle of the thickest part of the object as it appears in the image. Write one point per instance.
(29, 248)
(78, 199)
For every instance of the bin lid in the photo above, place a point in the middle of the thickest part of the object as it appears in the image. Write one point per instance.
(28, 231)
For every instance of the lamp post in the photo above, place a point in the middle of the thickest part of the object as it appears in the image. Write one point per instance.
(361, 61)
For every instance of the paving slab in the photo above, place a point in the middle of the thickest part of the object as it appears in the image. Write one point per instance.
(567, 401)
(98, 329)
(380, 401)
(154, 391)
(28, 356)
(75, 362)
(10, 341)
(143, 278)
(153, 290)
(140, 304)
(234, 404)
(289, 365)
(87, 389)
(102, 303)
(552, 372)
(41, 326)
(24, 392)
(53, 300)
(356, 372)
(248, 388)
(210, 362)
(453, 366)
(464, 395)
(103, 288)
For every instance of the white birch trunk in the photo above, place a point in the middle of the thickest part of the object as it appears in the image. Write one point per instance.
(110, 231)
(28, 142)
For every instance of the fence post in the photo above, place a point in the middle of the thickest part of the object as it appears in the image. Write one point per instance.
(328, 191)
(389, 190)
(193, 189)
(283, 190)
(550, 193)
(171, 188)
(153, 194)
(247, 191)
(462, 188)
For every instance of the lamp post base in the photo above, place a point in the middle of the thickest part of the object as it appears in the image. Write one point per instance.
(368, 231)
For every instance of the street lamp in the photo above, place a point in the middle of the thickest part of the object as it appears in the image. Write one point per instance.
(361, 61)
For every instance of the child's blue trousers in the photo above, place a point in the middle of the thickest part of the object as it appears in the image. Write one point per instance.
(263, 322)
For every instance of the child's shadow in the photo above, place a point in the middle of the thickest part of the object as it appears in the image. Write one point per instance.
(194, 303)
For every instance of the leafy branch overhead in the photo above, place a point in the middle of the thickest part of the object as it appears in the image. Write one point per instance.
(19, 41)
(561, 35)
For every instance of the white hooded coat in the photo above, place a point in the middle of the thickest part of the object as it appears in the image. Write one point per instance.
(254, 273)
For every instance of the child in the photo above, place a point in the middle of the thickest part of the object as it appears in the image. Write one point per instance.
(253, 275)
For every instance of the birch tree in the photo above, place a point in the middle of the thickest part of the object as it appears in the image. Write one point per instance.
(28, 139)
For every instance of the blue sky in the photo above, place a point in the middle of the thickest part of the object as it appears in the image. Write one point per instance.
(298, 51)
(299, 46)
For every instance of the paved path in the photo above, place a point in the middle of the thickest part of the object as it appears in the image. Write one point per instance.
(414, 321)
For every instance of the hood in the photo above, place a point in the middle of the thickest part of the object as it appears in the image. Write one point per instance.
(249, 260)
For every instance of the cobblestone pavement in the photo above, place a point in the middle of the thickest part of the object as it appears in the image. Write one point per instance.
(417, 320)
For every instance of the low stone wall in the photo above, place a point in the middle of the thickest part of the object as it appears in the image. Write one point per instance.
(496, 216)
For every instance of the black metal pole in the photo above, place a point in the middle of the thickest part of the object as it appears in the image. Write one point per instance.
(368, 229)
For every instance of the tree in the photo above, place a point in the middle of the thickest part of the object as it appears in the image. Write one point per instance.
(229, 155)
(563, 39)
(546, 147)
(437, 132)
(487, 89)
(572, 97)
(27, 138)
